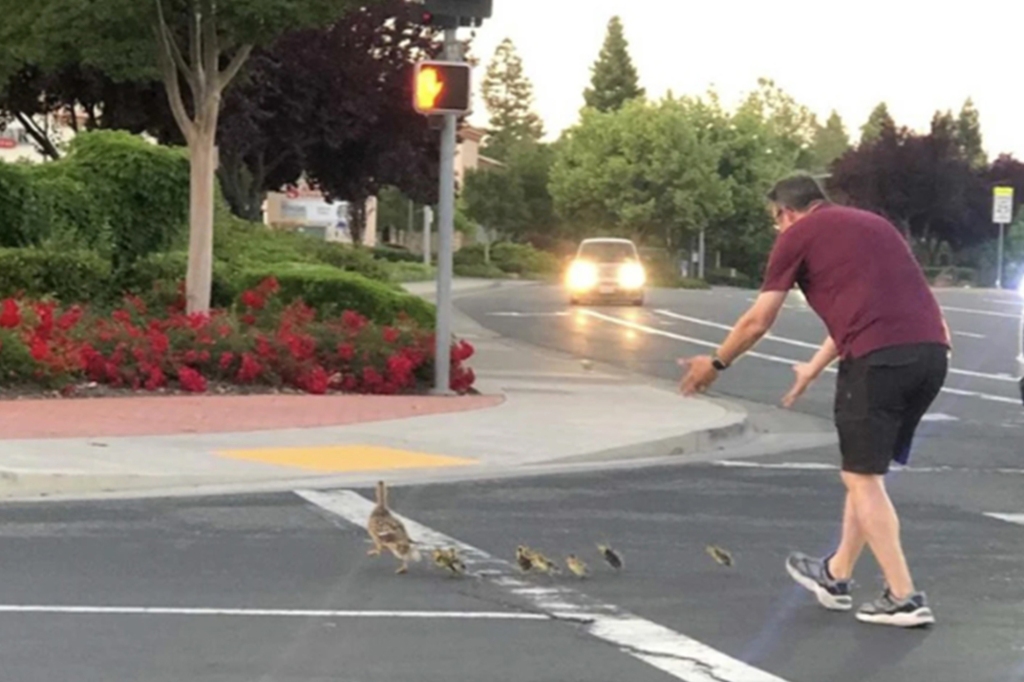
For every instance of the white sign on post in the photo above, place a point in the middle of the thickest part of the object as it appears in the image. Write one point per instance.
(1002, 205)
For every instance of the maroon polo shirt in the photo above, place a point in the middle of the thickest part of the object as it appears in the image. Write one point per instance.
(859, 275)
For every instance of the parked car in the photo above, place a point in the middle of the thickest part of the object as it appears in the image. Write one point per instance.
(606, 270)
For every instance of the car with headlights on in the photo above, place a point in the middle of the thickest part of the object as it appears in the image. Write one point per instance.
(606, 270)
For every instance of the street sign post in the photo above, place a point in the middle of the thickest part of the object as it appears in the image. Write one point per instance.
(442, 88)
(1002, 215)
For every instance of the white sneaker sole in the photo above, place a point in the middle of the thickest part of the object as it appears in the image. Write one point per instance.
(829, 601)
(914, 619)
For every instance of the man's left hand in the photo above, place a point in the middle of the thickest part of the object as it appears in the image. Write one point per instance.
(698, 374)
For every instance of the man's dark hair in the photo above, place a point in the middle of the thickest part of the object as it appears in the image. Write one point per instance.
(796, 192)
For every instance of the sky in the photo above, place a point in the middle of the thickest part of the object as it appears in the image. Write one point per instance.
(828, 54)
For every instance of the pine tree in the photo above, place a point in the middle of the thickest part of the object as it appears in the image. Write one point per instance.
(830, 141)
(879, 120)
(508, 94)
(614, 79)
(968, 136)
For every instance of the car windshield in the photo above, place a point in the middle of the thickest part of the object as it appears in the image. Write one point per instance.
(607, 252)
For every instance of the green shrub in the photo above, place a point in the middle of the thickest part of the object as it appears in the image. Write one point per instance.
(68, 276)
(331, 291)
(352, 259)
(521, 259)
(15, 358)
(480, 271)
(393, 255)
(143, 189)
(15, 206)
(64, 212)
(470, 255)
(411, 272)
(156, 279)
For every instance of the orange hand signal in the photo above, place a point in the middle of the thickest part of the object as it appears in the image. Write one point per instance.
(428, 88)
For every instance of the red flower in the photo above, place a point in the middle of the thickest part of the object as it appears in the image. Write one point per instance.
(391, 335)
(400, 369)
(225, 361)
(346, 351)
(462, 351)
(372, 379)
(353, 321)
(316, 381)
(191, 380)
(250, 369)
(10, 314)
(249, 319)
(156, 378)
(253, 300)
(69, 318)
(122, 316)
(39, 348)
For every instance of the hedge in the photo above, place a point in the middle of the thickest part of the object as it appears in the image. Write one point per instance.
(331, 291)
(67, 275)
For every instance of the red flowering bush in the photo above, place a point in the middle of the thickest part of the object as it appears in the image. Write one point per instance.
(262, 342)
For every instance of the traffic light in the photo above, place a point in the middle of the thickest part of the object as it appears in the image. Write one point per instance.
(455, 13)
(441, 88)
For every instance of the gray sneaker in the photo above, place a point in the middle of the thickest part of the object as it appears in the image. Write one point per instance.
(811, 573)
(911, 612)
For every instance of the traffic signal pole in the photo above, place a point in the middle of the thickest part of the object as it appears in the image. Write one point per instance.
(445, 238)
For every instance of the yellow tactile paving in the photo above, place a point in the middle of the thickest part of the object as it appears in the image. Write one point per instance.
(345, 458)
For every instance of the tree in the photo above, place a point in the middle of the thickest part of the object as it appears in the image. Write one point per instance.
(508, 94)
(614, 80)
(496, 202)
(878, 120)
(788, 127)
(194, 47)
(968, 134)
(830, 142)
(644, 171)
(355, 131)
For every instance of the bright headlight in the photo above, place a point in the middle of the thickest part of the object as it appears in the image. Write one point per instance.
(632, 276)
(582, 275)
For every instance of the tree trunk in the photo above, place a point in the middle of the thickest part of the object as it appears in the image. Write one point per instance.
(199, 279)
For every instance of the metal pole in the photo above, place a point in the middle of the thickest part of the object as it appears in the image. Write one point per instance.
(445, 234)
(702, 254)
(428, 218)
(999, 258)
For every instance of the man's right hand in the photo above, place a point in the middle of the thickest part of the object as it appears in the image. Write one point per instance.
(805, 376)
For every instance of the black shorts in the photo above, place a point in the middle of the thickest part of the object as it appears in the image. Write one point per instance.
(881, 398)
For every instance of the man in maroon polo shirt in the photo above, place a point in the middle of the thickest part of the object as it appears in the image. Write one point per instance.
(885, 326)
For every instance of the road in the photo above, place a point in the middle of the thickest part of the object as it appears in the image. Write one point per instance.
(279, 588)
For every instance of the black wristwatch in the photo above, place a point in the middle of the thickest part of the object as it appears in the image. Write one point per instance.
(717, 363)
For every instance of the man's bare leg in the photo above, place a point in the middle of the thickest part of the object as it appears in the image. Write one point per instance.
(880, 526)
(840, 566)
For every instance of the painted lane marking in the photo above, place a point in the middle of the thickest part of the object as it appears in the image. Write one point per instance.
(669, 651)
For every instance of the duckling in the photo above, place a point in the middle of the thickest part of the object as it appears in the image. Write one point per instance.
(449, 559)
(543, 564)
(387, 532)
(523, 558)
(613, 558)
(576, 565)
(720, 555)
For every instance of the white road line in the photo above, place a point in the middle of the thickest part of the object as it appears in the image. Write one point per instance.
(939, 417)
(287, 613)
(969, 335)
(775, 358)
(804, 344)
(1009, 518)
(991, 313)
(560, 313)
(1002, 302)
(727, 327)
(669, 651)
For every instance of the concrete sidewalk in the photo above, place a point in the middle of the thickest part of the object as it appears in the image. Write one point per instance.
(538, 412)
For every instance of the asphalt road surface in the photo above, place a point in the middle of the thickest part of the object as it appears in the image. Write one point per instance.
(279, 587)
